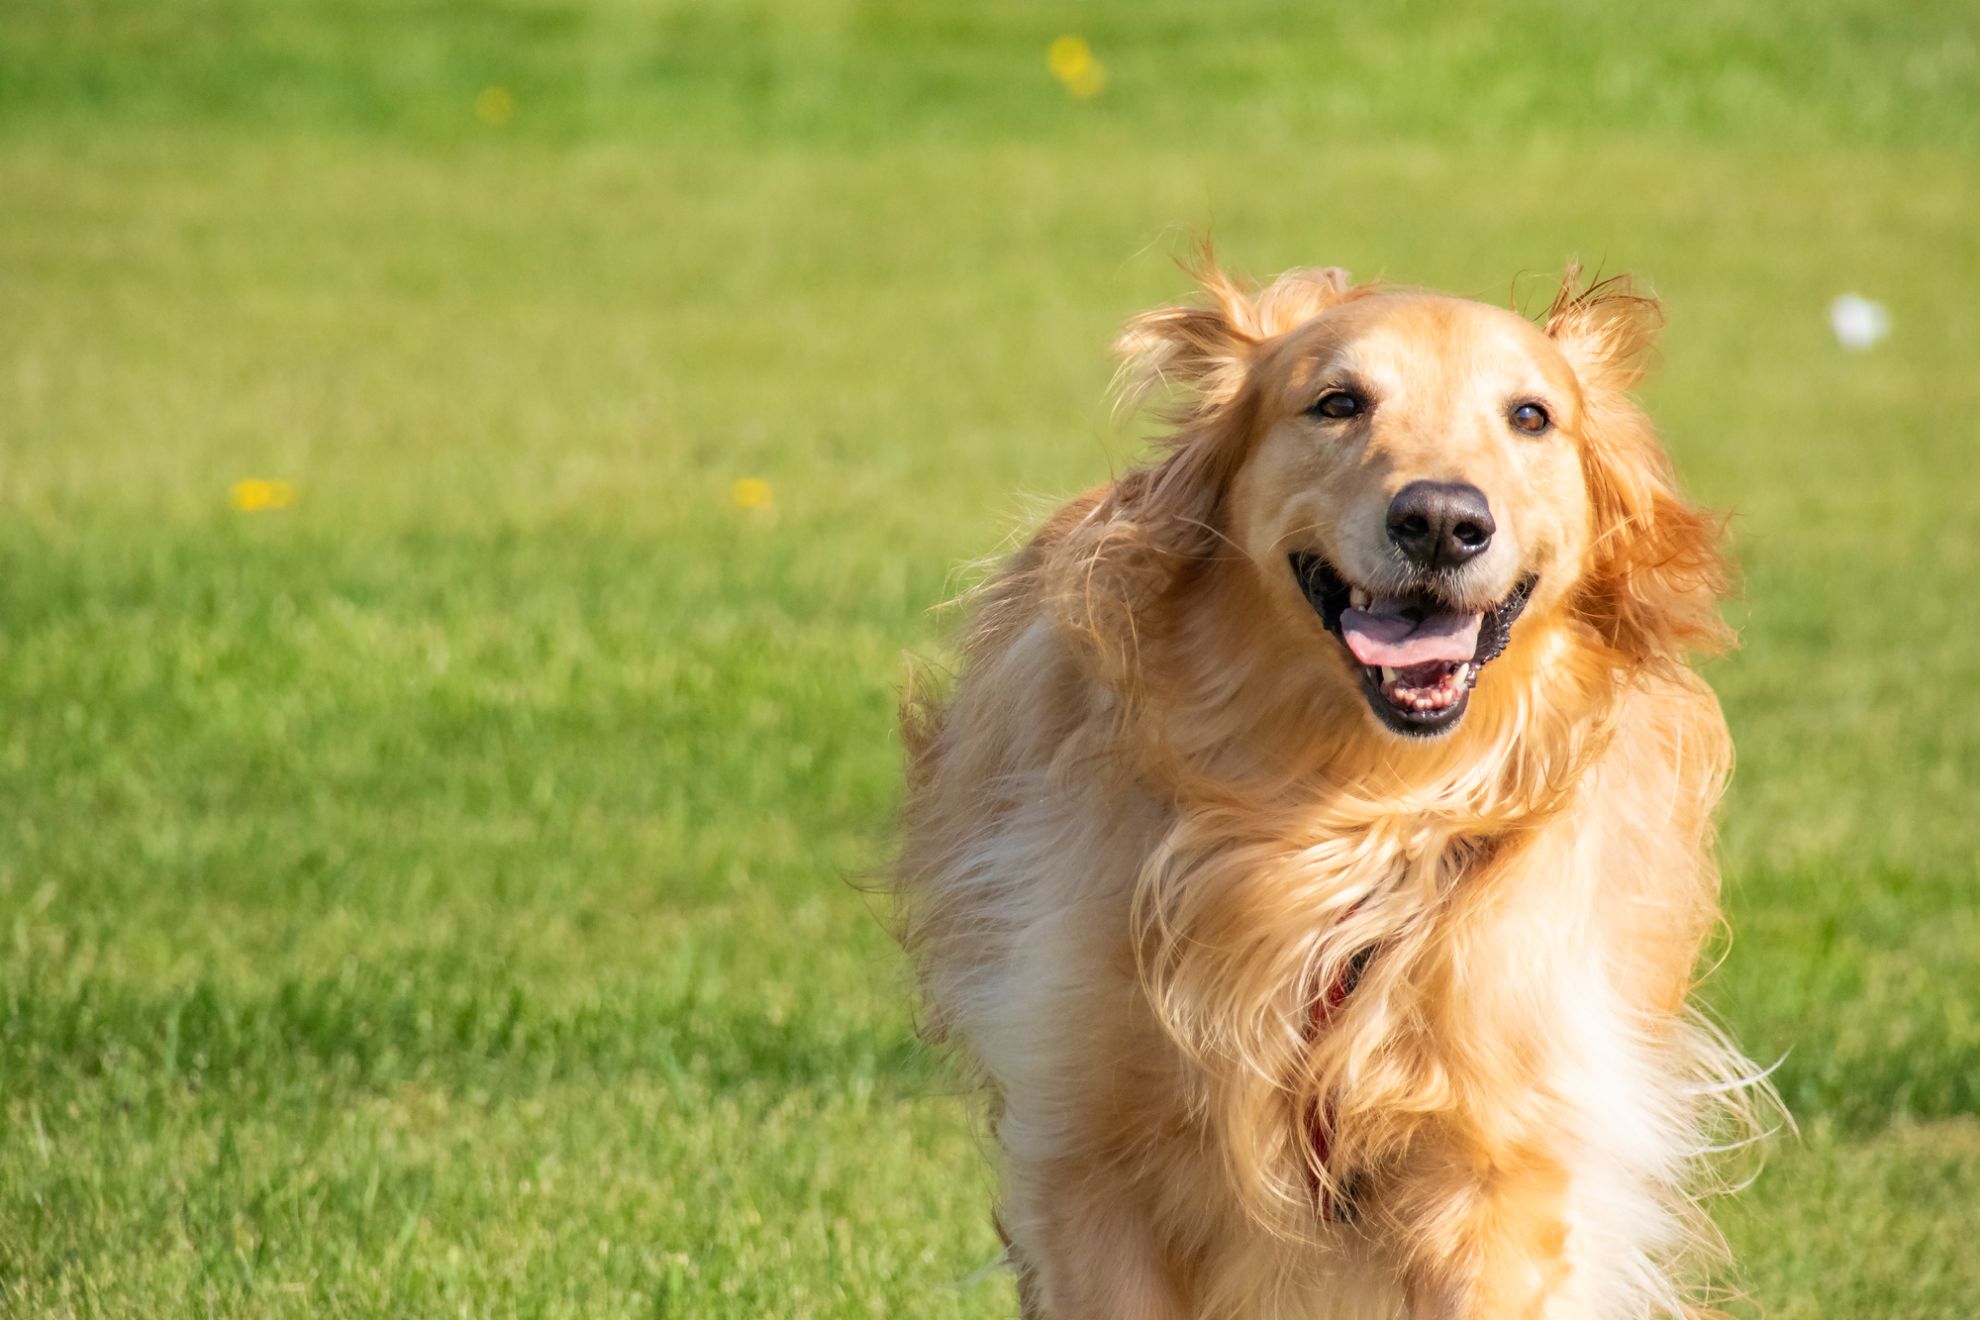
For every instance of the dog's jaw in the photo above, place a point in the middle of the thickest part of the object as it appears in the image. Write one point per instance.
(1422, 701)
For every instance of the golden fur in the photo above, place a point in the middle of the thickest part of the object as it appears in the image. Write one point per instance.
(1156, 823)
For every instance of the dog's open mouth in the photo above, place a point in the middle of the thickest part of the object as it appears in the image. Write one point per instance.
(1419, 656)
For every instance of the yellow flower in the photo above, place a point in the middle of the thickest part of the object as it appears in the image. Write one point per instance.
(253, 494)
(750, 493)
(494, 106)
(1071, 61)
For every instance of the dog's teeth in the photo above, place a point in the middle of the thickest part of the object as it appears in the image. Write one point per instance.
(1461, 674)
(1358, 598)
(1388, 674)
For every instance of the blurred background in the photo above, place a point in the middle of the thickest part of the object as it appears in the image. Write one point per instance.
(468, 473)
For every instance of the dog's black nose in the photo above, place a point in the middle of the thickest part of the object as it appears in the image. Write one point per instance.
(1440, 524)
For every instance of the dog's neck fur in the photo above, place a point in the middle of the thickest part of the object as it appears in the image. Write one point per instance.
(1302, 837)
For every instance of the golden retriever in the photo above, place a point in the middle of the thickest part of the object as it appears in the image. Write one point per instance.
(1314, 854)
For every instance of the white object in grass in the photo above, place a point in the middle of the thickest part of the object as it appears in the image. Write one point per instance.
(1858, 322)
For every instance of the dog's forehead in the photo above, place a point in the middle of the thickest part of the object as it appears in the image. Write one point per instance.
(1391, 338)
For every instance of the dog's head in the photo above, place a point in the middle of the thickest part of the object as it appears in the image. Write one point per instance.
(1412, 479)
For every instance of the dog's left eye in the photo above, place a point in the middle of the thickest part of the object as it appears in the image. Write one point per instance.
(1337, 405)
(1530, 418)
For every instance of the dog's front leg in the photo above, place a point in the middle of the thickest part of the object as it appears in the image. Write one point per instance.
(1489, 1236)
(1084, 1251)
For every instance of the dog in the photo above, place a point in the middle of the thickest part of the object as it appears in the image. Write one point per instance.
(1313, 856)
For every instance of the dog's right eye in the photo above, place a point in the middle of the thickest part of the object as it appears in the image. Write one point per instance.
(1337, 405)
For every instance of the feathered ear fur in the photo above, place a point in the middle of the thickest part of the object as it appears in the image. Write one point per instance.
(1201, 354)
(1656, 571)
(1158, 519)
(1203, 349)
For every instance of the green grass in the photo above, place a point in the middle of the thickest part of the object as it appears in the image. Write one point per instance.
(442, 896)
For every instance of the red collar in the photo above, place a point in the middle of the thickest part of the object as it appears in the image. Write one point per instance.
(1320, 1122)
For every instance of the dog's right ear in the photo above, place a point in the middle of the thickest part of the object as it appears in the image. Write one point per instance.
(1202, 350)
(1199, 355)
(1128, 548)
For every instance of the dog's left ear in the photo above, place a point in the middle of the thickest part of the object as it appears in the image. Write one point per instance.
(1605, 331)
(1656, 572)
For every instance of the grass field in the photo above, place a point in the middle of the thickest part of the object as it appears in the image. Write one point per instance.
(436, 896)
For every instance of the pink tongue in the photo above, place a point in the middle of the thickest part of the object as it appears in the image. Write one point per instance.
(1378, 637)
